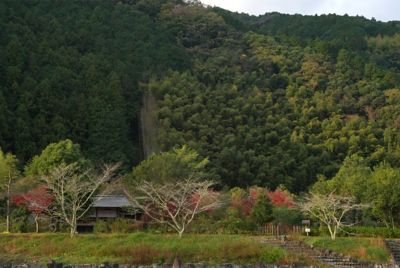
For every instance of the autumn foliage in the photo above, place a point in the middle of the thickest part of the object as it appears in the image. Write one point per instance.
(35, 201)
(244, 201)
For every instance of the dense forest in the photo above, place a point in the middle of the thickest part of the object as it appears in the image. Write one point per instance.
(270, 100)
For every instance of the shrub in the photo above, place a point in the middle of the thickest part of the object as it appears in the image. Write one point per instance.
(101, 227)
(126, 226)
(286, 216)
(261, 212)
(238, 226)
(272, 255)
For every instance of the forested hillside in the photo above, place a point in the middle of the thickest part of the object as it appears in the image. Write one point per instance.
(274, 99)
(70, 69)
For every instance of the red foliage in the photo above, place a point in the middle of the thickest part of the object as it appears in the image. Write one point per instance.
(281, 198)
(36, 200)
(246, 206)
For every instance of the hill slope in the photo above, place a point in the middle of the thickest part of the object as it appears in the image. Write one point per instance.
(271, 100)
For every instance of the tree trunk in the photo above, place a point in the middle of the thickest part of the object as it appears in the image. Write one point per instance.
(72, 231)
(37, 223)
(331, 232)
(8, 208)
(181, 233)
(73, 226)
(334, 233)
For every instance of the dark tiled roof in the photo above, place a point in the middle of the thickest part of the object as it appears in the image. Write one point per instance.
(111, 201)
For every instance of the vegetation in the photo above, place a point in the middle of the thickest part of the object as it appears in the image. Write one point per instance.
(138, 248)
(269, 107)
(377, 186)
(172, 166)
(366, 249)
(268, 103)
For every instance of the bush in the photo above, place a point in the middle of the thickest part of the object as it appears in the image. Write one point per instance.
(125, 226)
(286, 216)
(261, 212)
(238, 226)
(272, 255)
(101, 227)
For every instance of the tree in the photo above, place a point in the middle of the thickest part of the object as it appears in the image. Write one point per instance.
(174, 203)
(36, 201)
(73, 188)
(329, 209)
(350, 180)
(281, 198)
(383, 193)
(55, 154)
(8, 174)
(172, 166)
(261, 212)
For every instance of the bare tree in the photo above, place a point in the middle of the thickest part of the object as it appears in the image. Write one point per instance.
(330, 209)
(174, 203)
(72, 189)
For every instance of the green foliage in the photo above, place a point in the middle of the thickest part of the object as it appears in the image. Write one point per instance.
(175, 165)
(55, 154)
(261, 213)
(101, 227)
(286, 216)
(19, 219)
(124, 226)
(279, 113)
(8, 169)
(349, 180)
(383, 192)
(78, 76)
(379, 188)
(274, 99)
(237, 225)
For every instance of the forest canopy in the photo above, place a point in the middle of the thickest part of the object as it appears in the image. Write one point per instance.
(269, 100)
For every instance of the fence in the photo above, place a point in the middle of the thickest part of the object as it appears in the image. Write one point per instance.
(277, 230)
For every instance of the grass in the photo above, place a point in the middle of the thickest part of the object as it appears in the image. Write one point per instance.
(138, 248)
(365, 249)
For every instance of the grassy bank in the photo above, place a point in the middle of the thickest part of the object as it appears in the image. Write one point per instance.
(138, 248)
(366, 249)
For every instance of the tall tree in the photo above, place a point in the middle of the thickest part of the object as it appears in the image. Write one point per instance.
(175, 165)
(54, 155)
(8, 175)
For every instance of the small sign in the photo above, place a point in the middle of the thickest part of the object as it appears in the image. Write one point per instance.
(307, 230)
(306, 222)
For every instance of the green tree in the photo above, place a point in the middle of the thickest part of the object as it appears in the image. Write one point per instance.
(172, 166)
(261, 212)
(55, 154)
(351, 179)
(383, 193)
(8, 175)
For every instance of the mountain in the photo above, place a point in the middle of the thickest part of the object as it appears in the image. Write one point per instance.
(274, 99)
